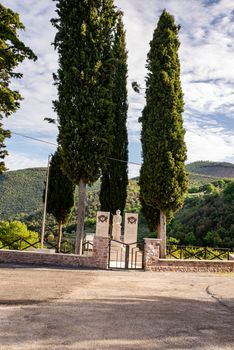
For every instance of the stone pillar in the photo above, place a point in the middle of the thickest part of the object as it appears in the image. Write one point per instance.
(151, 253)
(130, 228)
(101, 252)
(102, 224)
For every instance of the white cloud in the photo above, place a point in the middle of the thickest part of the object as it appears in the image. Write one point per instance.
(210, 144)
(24, 160)
(133, 171)
(206, 55)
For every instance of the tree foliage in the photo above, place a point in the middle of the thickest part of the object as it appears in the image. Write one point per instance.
(12, 231)
(206, 220)
(84, 81)
(163, 179)
(114, 180)
(12, 52)
(60, 198)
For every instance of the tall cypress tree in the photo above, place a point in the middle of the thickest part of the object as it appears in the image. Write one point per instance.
(60, 200)
(84, 81)
(114, 180)
(12, 52)
(163, 180)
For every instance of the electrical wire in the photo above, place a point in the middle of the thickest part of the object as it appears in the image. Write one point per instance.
(33, 138)
(54, 144)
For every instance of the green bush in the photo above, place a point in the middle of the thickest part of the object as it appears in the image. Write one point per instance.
(15, 235)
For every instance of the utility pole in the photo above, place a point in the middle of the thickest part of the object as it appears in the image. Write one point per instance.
(45, 204)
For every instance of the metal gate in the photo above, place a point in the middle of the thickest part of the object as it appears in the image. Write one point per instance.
(126, 256)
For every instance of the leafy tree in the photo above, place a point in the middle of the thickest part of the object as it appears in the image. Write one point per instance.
(12, 231)
(190, 238)
(209, 188)
(163, 180)
(12, 52)
(229, 191)
(213, 239)
(114, 180)
(84, 81)
(60, 198)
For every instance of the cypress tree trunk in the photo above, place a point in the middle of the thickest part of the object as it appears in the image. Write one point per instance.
(80, 217)
(60, 232)
(163, 233)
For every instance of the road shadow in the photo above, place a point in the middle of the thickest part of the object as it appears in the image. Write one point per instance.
(120, 323)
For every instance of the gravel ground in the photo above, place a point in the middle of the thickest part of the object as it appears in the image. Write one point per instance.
(55, 309)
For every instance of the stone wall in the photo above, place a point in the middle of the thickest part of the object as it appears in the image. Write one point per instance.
(152, 262)
(98, 260)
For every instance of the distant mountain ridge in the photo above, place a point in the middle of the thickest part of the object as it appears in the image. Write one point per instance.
(216, 169)
(21, 190)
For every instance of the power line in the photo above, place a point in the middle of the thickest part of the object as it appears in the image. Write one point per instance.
(54, 144)
(33, 138)
(123, 161)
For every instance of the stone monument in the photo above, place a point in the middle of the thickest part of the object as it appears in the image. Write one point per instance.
(130, 228)
(116, 227)
(102, 224)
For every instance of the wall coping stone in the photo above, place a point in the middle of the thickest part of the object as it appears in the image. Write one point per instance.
(196, 260)
(40, 252)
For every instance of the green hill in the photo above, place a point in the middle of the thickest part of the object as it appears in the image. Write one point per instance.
(21, 190)
(213, 169)
(206, 220)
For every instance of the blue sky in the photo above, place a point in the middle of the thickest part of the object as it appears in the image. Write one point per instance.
(207, 76)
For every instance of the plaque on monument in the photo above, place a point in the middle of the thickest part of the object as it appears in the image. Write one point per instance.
(102, 224)
(130, 228)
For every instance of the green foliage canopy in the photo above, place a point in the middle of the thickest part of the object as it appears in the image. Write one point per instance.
(84, 81)
(206, 220)
(163, 179)
(114, 180)
(12, 52)
(11, 231)
(61, 190)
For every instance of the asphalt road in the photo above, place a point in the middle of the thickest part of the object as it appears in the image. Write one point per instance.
(113, 310)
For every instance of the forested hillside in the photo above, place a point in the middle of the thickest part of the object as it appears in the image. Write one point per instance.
(21, 191)
(206, 219)
(214, 169)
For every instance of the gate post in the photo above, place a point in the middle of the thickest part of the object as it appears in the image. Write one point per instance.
(101, 252)
(126, 256)
(151, 253)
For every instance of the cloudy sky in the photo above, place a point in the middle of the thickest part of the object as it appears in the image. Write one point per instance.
(207, 75)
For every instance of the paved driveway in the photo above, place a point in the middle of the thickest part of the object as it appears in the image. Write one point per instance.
(88, 309)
